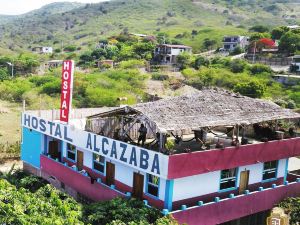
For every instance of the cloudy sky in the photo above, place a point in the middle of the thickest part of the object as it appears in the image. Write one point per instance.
(15, 7)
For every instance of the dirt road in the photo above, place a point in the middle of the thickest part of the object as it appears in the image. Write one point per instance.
(6, 166)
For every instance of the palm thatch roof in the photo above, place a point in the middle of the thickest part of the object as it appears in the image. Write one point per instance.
(206, 108)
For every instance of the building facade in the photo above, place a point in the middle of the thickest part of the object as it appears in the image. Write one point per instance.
(167, 53)
(295, 65)
(232, 42)
(208, 187)
(43, 50)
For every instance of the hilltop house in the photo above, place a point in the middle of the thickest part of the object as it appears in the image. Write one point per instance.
(295, 65)
(232, 42)
(167, 53)
(53, 64)
(43, 50)
(293, 27)
(209, 158)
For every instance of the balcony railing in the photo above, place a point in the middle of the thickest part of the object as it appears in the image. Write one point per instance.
(234, 207)
(79, 181)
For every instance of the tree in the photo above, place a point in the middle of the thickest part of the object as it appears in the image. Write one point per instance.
(278, 32)
(183, 60)
(253, 89)
(209, 43)
(144, 50)
(237, 50)
(237, 66)
(201, 61)
(112, 52)
(259, 29)
(99, 53)
(289, 43)
(258, 36)
(86, 57)
(3, 74)
(162, 38)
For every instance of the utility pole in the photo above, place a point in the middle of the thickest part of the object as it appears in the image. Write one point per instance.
(253, 59)
(12, 68)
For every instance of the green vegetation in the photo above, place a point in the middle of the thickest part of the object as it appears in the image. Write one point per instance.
(250, 80)
(26, 199)
(292, 207)
(9, 128)
(200, 23)
(90, 90)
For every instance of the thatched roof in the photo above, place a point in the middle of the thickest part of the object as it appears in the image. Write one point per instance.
(207, 108)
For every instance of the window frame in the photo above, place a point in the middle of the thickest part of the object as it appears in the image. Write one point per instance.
(101, 163)
(73, 152)
(153, 185)
(268, 170)
(229, 178)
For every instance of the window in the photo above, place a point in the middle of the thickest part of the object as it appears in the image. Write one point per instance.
(270, 170)
(152, 185)
(99, 163)
(71, 152)
(228, 179)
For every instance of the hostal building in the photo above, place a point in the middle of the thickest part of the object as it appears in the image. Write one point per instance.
(209, 158)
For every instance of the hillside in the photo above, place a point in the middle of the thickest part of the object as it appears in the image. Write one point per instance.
(86, 25)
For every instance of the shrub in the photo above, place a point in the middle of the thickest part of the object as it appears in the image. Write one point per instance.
(253, 89)
(200, 61)
(236, 51)
(131, 64)
(291, 104)
(260, 68)
(41, 80)
(70, 48)
(292, 207)
(13, 90)
(57, 50)
(53, 87)
(184, 60)
(237, 66)
(123, 210)
(158, 76)
(3, 74)
(259, 29)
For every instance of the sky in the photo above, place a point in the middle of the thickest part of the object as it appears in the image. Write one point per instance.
(16, 7)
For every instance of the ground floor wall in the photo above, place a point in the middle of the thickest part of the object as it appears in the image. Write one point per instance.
(123, 176)
(232, 208)
(254, 219)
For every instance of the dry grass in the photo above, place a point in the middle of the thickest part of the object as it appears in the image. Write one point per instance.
(9, 122)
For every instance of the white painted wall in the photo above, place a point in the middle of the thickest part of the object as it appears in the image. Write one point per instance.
(47, 50)
(193, 186)
(203, 184)
(176, 51)
(123, 174)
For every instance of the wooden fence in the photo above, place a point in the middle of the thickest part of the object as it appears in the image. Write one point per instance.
(283, 61)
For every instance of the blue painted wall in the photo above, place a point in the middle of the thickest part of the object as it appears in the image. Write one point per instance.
(169, 194)
(31, 147)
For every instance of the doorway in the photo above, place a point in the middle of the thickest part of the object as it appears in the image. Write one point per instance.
(110, 173)
(54, 150)
(244, 181)
(138, 186)
(79, 163)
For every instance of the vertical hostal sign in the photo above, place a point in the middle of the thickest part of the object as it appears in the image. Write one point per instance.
(66, 90)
